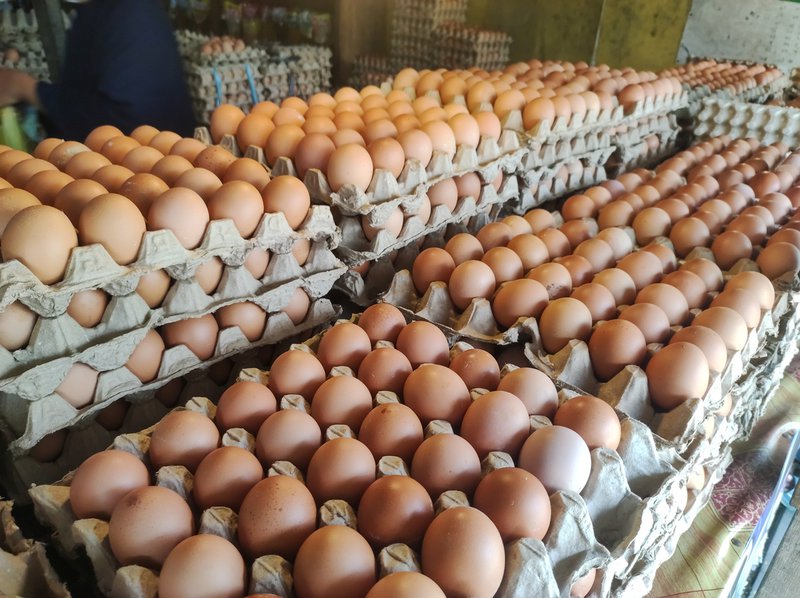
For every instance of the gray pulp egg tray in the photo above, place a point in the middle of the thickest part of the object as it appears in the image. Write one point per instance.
(758, 95)
(30, 409)
(554, 188)
(740, 119)
(57, 335)
(364, 289)
(628, 490)
(24, 567)
(85, 436)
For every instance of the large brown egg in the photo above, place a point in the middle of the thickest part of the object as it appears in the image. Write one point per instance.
(334, 561)
(496, 421)
(16, 325)
(619, 283)
(246, 405)
(382, 321)
(203, 565)
(432, 264)
(708, 341)
(563, 320)
(558, 457)
(384, 369)
(405, 584)
(341, 400)
(45, 185)
(350, 164)
(598, 299)
(41, 238)
(289, 196)
(98, 136)
(706, 270)
(423, 342)
(668, 298)
(225, 120)
(102, 480)
(555, 278)
(592, 418)
(296, 372)
(690, 285)
(756, 283)
(643, 267)
(13, 201)
(650, 319)
(726, 322)
(276, 517)
(391, 429)
(614, 345)
(183, 212)
(288, 435)
(114, 222)
(394, 509)
(471, 279)
(516, 502)
(667, 390)
(198, 334)
(225, 476)
(776, 259)
(145, 360)
(431, 380)
(519, 298)
(743, 301)
(183, 438)
(446, 462)
(142, 189)
(146, 524)
(342, 468)
(345, 344)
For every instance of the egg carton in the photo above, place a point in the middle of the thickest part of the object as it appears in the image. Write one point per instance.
(22, 23)
(364, 288)
(25, 569)
(556, 188)
(91, 267)
(356, 248)
(61, 336)
(757, 94)
(34, 410)
(739, 119)
(385, 192)
(575, 163)
(558, 150)
(568, 550)
(581, 125)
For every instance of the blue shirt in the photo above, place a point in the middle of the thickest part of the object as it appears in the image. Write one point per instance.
(121, 68)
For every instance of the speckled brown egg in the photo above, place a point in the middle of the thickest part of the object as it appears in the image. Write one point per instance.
(288, 435)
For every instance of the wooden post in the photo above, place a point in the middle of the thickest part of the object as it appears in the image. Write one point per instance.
(51, 32)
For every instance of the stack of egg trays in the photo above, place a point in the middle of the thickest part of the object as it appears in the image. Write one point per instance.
(29, 409)
(758, 95)
(364, 288)
(543, 568)
(750, 396)
(87, 436)
(386, 193)
(632, 148)
(741, 119)
(24, 567)
(684, 430)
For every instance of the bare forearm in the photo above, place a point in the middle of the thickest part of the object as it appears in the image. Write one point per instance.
(17, 86)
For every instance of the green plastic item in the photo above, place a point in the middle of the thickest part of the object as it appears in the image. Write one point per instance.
(11, 133)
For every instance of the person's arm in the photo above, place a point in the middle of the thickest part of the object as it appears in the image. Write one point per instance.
(17, 86)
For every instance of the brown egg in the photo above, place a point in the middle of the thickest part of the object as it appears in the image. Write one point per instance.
(147, 524)
(465, 540)
(505, 264)
(668, 260)
(198, 334)
(16, 326)
(774, 261)
(446, 462)
(530, 249)
(477, 368)
(45, 186)
(313, 151)
(169, 168)
(648, 318)
(494, 234)
(13, 201)
(562, 320)
(153, 287)
(668, 391)
(142, 189)
(539, 220)
(334, 561)
(444, 193)
(558, 457)
(344, 345)
(452, 394)
(341, 400)
(614, 345)
(116, 223)
(187, 148)
(690, 285)
(643, 267)
(183, 212)
(556, 242)
(115, 149)
(471, 279)
(276, 517)
(577, 231)
(726, 322)
(384, 369)
(288, 435)
(250, 318)
(756, 283)
(651, 223)
(21, 172)
(41, 238)
(248, 170)
(283, 142)
(182, 438)
(224, 477)
(203, 564)
(555, 278)
(598, 299)
(519, 298)
(593, 419)
(342, 468)
(382, 321)
(10, 158)
(496, 421)
(707, 270)
(614, 214)
(102, 480)
(619, 283)
(405, 584)
(296, 372)
(516, 502)
(416, 145)
(45, 147)
(225, 120)
(668, 298)
(743, 301)
(432, 264)
(112, 177)
(391, 429)
(708, 341)
(463, 247)
(239, 201)
(288, 195)
(394, 509)
(245, 404)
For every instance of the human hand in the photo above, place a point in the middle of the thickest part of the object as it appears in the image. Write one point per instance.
(16, 86)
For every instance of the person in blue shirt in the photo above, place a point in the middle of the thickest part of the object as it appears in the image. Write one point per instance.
(121, 67)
